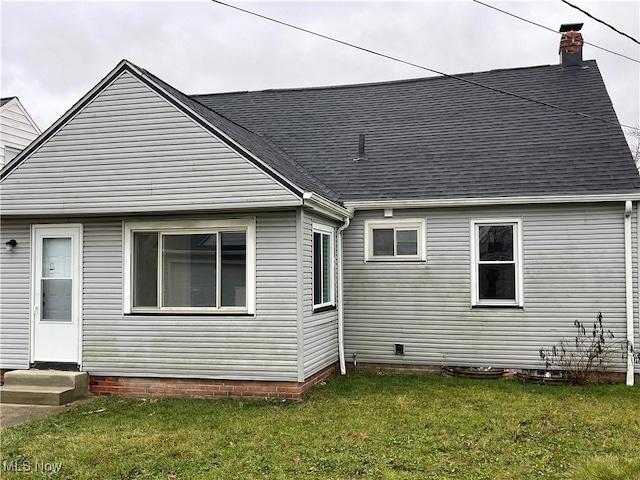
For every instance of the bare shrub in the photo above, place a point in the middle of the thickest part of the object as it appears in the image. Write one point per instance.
(589, 354)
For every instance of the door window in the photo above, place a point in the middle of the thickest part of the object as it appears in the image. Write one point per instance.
(56, 282)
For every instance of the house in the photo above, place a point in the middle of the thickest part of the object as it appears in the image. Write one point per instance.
(17, 129)
(246, 243)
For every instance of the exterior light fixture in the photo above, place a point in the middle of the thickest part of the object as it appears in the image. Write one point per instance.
(11, 244)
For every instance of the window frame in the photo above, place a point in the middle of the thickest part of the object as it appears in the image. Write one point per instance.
(323, 229)
(474, 228)
(190, 227)
(418, 224)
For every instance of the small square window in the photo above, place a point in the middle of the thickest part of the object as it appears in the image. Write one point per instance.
(395, 240)
(383, 241)
(406, 242)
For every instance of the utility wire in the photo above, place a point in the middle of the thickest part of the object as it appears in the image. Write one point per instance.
(405, 62)
(600, 21)
(552, 30)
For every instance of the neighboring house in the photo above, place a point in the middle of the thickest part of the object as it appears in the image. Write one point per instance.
(17, 129)
(246, 243)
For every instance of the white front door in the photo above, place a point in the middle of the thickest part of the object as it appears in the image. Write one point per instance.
(56, 294)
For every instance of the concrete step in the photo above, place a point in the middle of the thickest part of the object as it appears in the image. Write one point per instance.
(43, 387)
(36, 395)
(46, 378)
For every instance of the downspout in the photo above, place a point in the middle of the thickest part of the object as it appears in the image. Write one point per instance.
(628, 264)
(343, 366)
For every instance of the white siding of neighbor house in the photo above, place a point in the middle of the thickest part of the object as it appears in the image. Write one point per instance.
(17, 129)
(130, 151)
(14, 295)
(320, 333)
(573, 268)
(260, 347)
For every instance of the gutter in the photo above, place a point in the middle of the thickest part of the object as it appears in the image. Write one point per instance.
(343, 366)
(475, 202)
(319, 204)
(628, 266)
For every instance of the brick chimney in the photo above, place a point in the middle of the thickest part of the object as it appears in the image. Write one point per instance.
(571, 45)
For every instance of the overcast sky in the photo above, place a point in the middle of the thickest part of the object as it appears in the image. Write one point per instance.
(55, 52)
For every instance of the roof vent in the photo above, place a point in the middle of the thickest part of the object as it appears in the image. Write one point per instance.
(361, 150)
(571, 45)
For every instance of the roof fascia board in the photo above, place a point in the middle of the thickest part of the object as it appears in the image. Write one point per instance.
(286, 183)
(473, 202)
(321, 205)
(68, 115)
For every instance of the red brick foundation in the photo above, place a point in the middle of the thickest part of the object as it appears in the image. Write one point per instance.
(393, 368)
(205, 388)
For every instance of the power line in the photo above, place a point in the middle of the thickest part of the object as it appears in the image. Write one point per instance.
(600, 21)
(552, 30)
(405, 62)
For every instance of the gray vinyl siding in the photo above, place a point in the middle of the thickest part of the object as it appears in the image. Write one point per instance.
(14, 296)
(260, 347)
(130, 151)
(573, 268)
(15, 291)
(231, 347)
(320, 335)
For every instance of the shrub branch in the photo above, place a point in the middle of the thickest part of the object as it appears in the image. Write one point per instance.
(588, 354)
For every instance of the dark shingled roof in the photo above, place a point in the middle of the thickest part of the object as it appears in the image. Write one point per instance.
(440, 138)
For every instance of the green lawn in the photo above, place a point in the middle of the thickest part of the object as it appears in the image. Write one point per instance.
(365, 425)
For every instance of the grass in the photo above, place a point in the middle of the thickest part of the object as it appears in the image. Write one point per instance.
(365, 425)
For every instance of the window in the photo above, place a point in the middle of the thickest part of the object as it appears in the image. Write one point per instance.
(190, 266)
(395, 240)
(323, 270)
(497, 263)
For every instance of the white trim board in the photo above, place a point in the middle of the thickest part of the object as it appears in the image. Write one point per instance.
(480, 202)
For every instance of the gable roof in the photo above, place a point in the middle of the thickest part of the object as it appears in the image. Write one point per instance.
(434, 138)
(251, 146)
(28, 122)
(6, 100)
(440, 138)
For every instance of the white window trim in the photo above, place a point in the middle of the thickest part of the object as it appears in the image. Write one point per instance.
(474, 224)
(419, 224)
(326, 230)
(190, 227)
